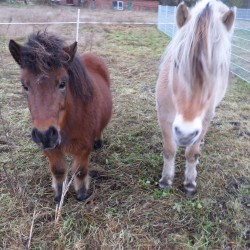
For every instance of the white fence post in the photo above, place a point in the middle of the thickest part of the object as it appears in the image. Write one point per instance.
(77, 24)
(174, 24)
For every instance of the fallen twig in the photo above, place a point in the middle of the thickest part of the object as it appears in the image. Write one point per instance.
(32, 226)
(64, 191)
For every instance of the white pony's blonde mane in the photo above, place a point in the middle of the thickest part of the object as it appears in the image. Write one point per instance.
(200, 50)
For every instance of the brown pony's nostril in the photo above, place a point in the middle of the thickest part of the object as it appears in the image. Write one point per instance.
(36, 135)
(52, 133)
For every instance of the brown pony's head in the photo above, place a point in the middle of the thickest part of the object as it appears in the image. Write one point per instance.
(48, 73)
(199, 57)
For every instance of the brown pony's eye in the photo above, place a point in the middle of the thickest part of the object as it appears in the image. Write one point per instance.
(62, 85)
(25, 87)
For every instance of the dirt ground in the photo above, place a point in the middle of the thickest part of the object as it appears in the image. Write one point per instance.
(126, 210)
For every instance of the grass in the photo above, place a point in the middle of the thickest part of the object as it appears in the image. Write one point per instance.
(127, 210)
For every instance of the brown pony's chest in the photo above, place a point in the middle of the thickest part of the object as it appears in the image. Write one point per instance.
(78, 138)
(76, 145)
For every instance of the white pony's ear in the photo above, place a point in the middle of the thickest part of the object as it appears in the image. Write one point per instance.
(182, 14)
(228, 18)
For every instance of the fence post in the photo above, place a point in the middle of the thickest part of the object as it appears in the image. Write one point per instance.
(165, 20)
(159, 18)
(77, 24)
(174, 24)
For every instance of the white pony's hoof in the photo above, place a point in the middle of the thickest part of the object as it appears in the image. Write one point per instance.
(163, 183)
(190, 190)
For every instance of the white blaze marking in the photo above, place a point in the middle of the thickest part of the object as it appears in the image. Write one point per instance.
(187, 127)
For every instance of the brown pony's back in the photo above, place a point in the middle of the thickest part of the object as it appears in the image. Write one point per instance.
(94, 64)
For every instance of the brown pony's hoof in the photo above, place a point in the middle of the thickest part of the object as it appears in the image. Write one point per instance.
(98, 145)
(82, 194)
(190, 190)
(57, 199)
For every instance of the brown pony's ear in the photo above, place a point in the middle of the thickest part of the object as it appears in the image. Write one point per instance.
(228, 19)
(15, 50)
(182, 14)
(70, 52)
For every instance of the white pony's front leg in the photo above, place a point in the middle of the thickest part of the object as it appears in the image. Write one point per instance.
(167, 171)
(169, 151)
(192, 159)
(192, 154)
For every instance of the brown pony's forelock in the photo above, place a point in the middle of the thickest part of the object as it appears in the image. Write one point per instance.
(43, 53)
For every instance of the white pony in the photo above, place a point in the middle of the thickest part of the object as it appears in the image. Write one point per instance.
(192, 81)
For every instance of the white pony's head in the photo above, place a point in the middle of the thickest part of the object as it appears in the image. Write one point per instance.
(198, 59)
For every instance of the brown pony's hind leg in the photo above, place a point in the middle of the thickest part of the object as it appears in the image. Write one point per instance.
(58, 170)
(81, 180)
(169, 151)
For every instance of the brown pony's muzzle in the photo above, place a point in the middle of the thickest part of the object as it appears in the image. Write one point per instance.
(47, 139)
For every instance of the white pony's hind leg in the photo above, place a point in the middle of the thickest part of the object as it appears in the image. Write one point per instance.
(169, 151)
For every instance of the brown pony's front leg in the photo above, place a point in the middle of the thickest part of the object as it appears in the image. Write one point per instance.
(58, 170)
(81, 180)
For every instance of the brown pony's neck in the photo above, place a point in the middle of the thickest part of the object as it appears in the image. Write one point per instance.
(78, 97)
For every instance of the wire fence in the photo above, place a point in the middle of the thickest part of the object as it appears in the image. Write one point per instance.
(240, 60)
(240, 63)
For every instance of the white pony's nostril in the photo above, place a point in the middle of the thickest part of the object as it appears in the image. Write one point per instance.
(177, 130)
(195, 133)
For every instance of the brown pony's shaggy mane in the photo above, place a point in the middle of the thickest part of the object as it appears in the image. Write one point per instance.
(43, 53)
(79, 82)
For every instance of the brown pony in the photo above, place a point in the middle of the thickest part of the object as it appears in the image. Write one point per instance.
(192, 81)
(70, 102)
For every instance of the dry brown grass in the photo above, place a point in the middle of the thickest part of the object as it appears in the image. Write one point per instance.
(126, 209)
